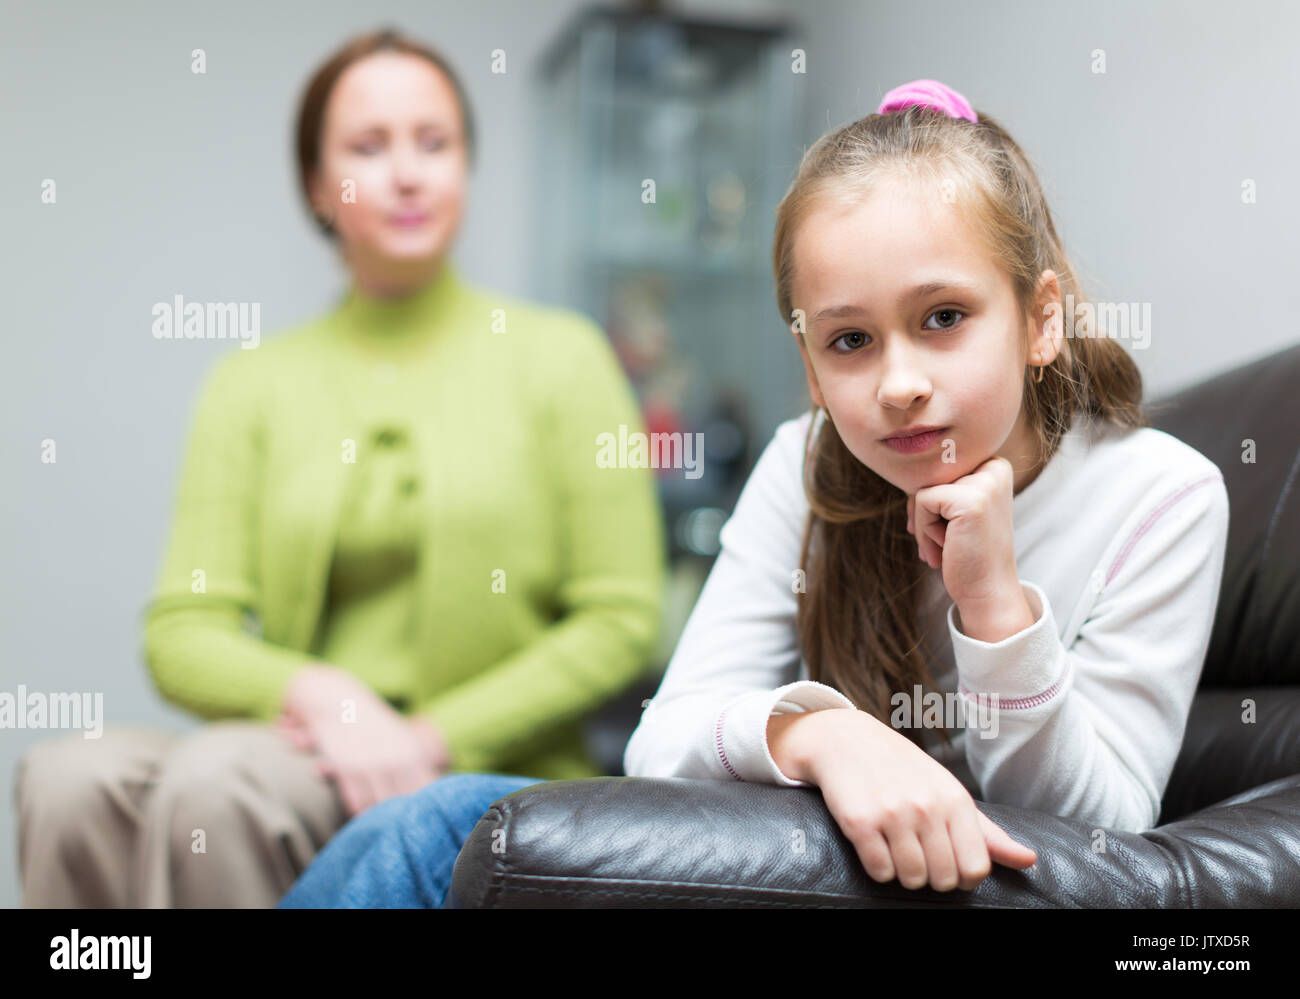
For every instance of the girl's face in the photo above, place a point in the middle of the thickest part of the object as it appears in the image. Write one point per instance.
(394, 168)
(908, 321)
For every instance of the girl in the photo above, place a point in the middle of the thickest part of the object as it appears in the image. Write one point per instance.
(976, 514)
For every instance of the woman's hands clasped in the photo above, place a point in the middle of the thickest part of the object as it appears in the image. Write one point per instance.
(371, 751)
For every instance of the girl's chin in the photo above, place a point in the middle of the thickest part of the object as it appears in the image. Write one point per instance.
(936, 474)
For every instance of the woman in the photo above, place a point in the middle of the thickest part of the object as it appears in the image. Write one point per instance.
(404, 497)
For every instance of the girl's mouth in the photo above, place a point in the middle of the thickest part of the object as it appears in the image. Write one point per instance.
(917, 444)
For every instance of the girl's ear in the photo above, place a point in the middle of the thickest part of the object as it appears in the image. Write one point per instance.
(1048, 322)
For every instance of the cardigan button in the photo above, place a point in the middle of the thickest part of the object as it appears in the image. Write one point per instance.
(409, 486)
(387, 437)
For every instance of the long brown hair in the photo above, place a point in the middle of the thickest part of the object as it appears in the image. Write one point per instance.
(316, 95)
(858, 617)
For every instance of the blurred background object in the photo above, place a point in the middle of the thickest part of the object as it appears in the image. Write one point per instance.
(665, 145)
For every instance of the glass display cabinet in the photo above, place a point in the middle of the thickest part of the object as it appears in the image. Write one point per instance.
(666, 144)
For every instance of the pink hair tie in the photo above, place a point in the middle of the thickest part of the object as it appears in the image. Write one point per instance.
(928, 94)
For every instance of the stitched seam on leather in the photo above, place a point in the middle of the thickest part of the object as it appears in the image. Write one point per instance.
(1277, 509)
(1253, 606)
(715, 894)
(500, 861)
(1181, 881)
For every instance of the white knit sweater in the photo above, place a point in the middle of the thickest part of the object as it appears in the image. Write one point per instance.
(1119, 545)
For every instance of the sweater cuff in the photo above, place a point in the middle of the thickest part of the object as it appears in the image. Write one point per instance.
(1023, 670)
(740, 730)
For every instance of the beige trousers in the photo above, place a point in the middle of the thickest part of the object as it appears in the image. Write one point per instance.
(225, 816)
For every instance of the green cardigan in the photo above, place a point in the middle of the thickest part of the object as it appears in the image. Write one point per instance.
(513, 499)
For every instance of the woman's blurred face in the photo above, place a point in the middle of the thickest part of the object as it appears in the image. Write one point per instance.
(394, 167)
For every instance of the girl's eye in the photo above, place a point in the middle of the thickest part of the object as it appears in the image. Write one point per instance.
(435, 144)
(843, 337)
(853, 344)
(946, 312)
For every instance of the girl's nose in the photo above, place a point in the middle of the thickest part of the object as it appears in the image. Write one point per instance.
(903, 384)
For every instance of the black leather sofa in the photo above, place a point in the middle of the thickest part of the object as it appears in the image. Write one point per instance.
(1229, 828)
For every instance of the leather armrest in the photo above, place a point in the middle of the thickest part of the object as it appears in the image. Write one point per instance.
(672, 842)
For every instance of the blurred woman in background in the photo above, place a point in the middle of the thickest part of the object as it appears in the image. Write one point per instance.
(403, 499)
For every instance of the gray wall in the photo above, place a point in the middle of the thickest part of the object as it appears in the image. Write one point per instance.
(1143, 165)
(171, 183)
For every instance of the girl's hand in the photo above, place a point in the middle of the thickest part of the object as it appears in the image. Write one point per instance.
(906, 815)
(965, 528)
(370, 751)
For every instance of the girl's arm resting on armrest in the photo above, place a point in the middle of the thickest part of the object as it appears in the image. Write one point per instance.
(1093, 731)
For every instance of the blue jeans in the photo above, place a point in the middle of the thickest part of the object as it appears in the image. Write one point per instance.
(399, 853)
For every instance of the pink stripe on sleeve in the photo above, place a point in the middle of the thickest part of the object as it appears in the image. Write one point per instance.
(717, 744)
(1151, 519)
